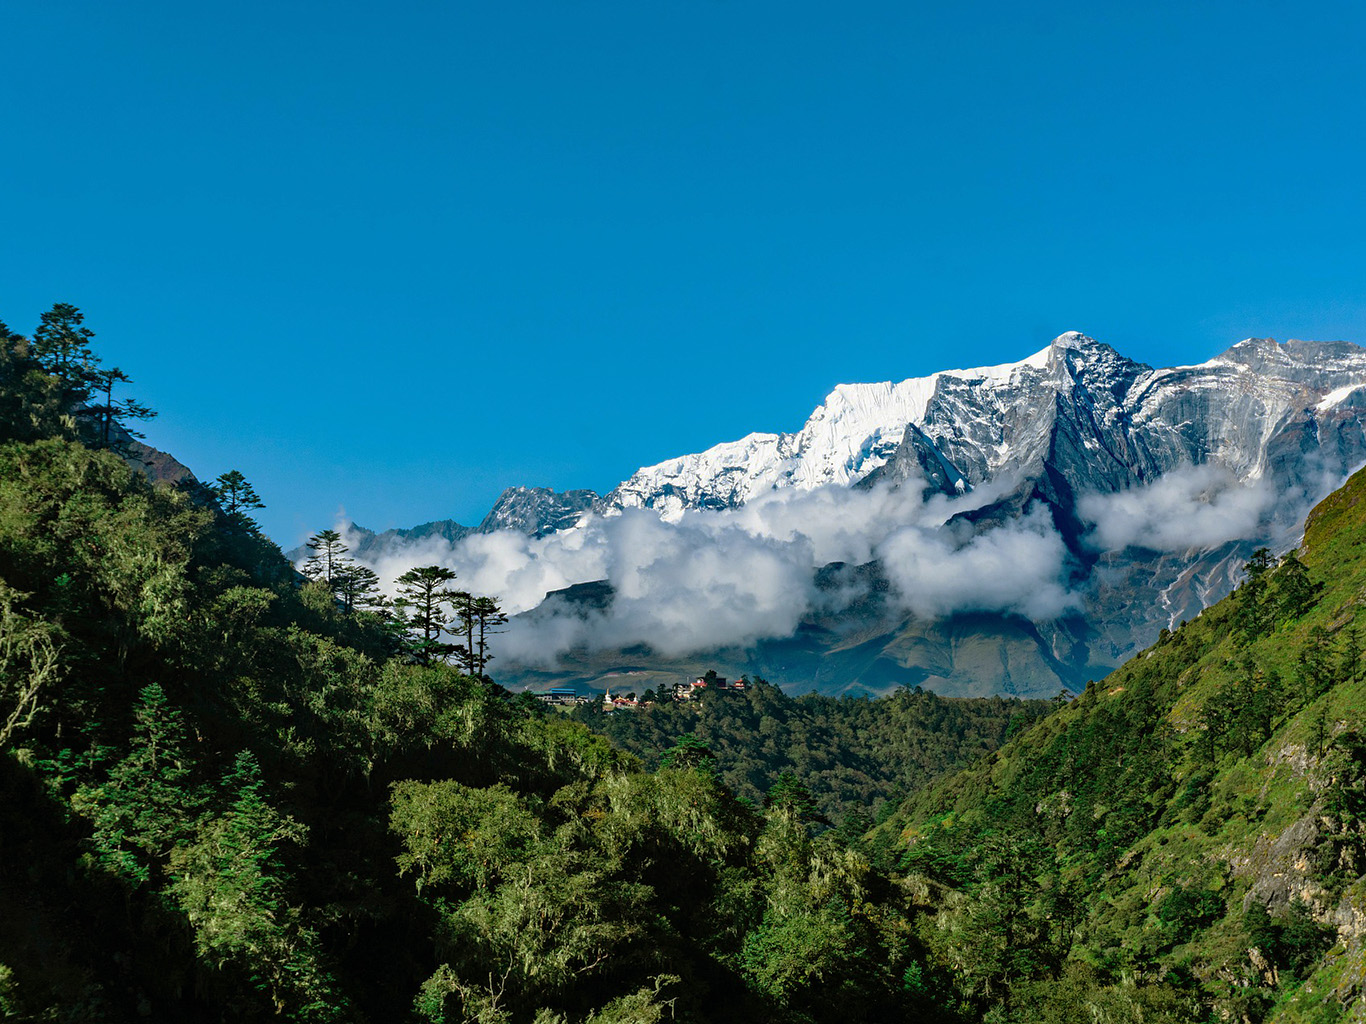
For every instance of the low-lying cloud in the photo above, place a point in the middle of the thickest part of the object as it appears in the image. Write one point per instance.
(1192, 507)
(724, 579)
(1015, 568)
(730, 578)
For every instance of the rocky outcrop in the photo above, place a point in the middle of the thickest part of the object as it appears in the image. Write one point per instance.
(537, 511)
(1076, 417)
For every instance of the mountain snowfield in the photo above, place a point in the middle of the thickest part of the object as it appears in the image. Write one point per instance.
(853, 432)
(988, 421)
(1004, 529)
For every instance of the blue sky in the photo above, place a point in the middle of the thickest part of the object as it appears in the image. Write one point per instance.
(396, 258)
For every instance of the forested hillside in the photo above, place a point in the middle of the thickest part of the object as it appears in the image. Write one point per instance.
(1186, 840)
(851, 754)
(230, 794)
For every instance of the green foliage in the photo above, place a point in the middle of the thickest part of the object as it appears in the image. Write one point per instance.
(1253, 614)
(850, 753)
(29, 666)
(1188, 909)
(53, 386)
(689, 752)
(149, 802)
(238, 499)
(233, 887)
(459, 836)
(1293, 941)
(1220, 769)
(423, 602)
(1294, 592)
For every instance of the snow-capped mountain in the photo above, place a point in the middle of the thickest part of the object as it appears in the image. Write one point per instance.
(853, 432)
(1101, 421)
(1159, 483)
(1073, 421)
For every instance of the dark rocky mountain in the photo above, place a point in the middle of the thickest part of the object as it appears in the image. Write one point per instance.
(1275, 425)
(1075, 420)
(537, 511)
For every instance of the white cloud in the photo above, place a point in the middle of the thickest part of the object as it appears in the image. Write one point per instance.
(718, 579)
(1192, 507)
(1014, 568)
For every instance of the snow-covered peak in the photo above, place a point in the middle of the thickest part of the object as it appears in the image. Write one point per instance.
(849, 435)
(1336, 397)
(988, 419)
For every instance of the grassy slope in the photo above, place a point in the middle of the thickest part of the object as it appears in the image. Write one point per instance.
(1250, 827)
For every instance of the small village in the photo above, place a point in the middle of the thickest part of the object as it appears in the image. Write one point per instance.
(688, 689)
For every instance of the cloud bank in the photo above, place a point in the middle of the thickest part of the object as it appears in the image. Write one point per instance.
(723, 579)
(730, 578)
(1190, 507)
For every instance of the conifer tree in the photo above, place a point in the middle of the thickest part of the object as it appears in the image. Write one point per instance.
(53, 385)
(1351, 652)
(1252, 618)
(149, 804)
(490, 618)
(110, 415)
(61, 344)
(357, 587)
(422, 602)
(1316, 664)
(234, 889)
(327, 558)
(790, 792)
(1295, 592)
(238, 499)
(464, 625)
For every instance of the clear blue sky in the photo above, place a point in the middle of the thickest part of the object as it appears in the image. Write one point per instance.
(397, 257)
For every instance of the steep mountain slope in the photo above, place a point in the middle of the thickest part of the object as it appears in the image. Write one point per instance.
(1190, 833)
(1107, 446)
(1074, 417)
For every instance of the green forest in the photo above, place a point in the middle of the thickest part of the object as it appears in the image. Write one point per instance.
(857, 758)
(233, 792)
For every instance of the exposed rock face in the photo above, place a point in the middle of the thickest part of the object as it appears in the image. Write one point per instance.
(537, 511)
(1074, 419)
(371, 546)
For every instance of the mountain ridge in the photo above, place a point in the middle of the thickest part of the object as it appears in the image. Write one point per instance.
(1076, 432)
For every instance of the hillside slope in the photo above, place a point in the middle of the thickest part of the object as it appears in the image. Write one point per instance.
(852, 755)
(1187, 837)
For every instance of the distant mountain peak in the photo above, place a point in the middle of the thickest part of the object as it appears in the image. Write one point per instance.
(537, 510)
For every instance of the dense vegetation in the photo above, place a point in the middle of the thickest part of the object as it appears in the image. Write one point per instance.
(1186, 840)
(855, 756)
(229, 793)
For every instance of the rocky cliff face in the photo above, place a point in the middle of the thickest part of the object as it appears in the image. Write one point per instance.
(1073, 421)
(1076, 417)
(537, 511)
